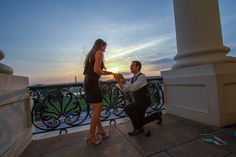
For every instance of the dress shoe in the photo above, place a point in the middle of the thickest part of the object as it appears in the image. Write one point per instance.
(136, 132)
(159, 118)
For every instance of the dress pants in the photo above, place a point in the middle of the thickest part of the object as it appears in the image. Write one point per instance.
(136, 112)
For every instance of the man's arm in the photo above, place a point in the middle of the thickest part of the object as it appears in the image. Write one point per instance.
(128, 86)
(123, 84)
(139, 83)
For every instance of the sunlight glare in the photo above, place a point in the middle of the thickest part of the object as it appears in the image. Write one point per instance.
(114, 69)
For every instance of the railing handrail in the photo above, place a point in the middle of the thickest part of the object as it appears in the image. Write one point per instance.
(74, 84)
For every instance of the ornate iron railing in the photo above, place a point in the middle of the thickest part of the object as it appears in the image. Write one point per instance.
(62, 106)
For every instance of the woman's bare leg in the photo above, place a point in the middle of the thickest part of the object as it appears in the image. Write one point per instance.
(99, 123)
(95, 120)
(92, 128)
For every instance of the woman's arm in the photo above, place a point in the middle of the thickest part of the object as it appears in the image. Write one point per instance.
(97, 65)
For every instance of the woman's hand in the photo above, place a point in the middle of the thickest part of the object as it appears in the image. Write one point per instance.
(107, 73)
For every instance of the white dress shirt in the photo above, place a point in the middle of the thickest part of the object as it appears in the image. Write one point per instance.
(140, 82)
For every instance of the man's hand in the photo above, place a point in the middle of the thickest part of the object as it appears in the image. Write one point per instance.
(119, 78)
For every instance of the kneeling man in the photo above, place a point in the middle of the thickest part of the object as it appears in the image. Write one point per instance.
(136, 110)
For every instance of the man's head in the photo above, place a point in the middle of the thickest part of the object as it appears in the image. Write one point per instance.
(135, 67)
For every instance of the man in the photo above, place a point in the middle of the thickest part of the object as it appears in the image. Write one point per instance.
(136, 110)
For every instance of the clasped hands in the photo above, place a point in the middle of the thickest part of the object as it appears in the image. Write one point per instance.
(118, 77)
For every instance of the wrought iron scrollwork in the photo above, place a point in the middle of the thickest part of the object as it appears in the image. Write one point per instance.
(156, 95)
(57, 109)
(113, 101)
(60, 106)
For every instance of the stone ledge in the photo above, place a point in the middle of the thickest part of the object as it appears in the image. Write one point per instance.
(14, 96)
(9, 83)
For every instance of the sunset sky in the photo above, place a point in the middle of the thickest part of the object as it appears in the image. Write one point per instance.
(47, 40)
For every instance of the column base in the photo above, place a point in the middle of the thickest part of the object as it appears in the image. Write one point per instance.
(10, 83)
(15, 118)
(203, 56)
(204, 93)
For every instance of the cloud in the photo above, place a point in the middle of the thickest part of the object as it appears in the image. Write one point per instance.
(114, 29)
(141, 46)
(162, 61)
(159, 64)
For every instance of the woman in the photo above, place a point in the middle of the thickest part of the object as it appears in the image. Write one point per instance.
(94, 68)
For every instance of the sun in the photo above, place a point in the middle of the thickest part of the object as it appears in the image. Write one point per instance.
(114, 69)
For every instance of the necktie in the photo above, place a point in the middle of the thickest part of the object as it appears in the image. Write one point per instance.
(133, 79)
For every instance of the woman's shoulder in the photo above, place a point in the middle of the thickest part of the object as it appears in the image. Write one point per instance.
(99, 53)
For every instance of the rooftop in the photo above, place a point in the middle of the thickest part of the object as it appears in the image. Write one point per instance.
(176, 137)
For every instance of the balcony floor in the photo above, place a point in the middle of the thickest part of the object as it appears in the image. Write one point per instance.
(176, 137)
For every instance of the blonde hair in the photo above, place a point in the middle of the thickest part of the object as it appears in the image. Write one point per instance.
(91, 55)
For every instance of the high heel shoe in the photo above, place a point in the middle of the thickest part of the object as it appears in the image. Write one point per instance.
(92, 142)
(103, 134)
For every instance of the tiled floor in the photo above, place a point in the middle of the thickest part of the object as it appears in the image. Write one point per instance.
(176, 137)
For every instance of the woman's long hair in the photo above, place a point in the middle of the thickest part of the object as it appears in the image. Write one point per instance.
(91, 55)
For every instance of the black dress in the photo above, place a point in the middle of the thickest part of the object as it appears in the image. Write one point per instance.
(91, 84)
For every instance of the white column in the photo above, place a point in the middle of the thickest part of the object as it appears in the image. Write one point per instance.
(201, 85)
(198, 33)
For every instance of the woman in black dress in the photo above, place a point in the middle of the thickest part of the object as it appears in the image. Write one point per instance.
(94, 68)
